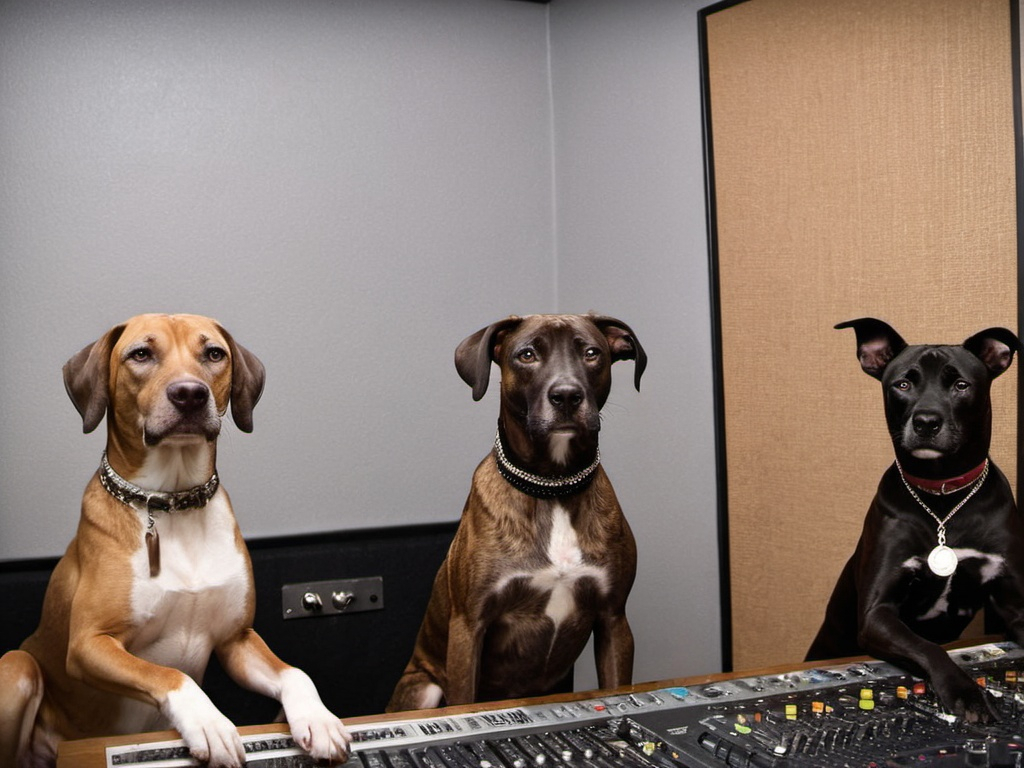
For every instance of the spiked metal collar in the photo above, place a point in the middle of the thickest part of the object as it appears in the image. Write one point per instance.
(164, 501)
(539, 486)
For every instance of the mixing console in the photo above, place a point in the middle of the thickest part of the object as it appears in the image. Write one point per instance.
(864, 715)
(868, 715)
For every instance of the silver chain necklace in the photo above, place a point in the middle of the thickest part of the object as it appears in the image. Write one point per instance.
(942, 560)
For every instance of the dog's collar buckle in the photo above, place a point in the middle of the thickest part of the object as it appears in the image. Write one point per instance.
(157, 502)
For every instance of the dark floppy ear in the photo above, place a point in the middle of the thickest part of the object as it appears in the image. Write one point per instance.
(877, 344)
(247, 378)
(995, 347)
(87, 378)
(475, 353)
(623, 343)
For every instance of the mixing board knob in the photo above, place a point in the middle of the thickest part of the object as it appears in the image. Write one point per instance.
(867, 699)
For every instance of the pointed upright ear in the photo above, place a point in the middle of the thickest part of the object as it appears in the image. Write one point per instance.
(877, 344)
(87, 378)
(247, 378)
(474, 355)
(623, 343)
(995, 347)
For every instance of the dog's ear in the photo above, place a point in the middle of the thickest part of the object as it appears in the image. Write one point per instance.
(877, 344)
(474, 355)
(623, 343)
(247, 378)
(995, 347)
(87, 378)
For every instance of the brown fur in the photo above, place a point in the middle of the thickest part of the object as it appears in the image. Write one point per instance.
(486, 634)
(72, 674)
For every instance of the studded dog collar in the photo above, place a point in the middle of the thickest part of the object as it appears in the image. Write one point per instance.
(539, 486)
(163, 501)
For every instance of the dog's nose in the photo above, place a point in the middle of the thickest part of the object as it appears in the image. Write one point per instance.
(566, 396)
(927, 424)
(188, 396)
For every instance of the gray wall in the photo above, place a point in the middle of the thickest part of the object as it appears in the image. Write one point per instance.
(631, 236)
(352, 188)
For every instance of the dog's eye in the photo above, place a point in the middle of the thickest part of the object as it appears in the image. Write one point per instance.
(141, 354)
(591, 353)
(902, 385)
(215, 354)
(526, 356)
(960, 385)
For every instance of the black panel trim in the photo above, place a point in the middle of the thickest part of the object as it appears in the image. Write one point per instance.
(722, 481)
(1018, 143)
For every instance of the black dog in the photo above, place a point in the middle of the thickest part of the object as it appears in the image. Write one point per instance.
(942, 536)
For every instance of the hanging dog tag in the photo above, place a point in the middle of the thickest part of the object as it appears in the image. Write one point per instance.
(153, 546)
(942, 561)
(153, 550)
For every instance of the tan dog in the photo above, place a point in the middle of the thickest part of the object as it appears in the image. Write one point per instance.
(543, 555)
(158, 576)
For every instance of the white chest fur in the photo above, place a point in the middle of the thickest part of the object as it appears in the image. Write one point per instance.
(196, 600)
(989, 567)
(200, 594)
(566, 566)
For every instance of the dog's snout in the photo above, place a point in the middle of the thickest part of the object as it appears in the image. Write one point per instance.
(927, 424)
(566, 396)
(188, 396)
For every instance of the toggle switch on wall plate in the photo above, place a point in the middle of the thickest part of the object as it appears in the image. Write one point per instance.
(329, 598)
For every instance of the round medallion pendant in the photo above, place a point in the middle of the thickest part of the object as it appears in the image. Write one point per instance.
(942, 561)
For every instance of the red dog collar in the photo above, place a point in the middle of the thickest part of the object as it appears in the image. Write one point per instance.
(949, 485)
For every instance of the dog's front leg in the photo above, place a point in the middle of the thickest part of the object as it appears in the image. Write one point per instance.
(613, 650)
(102, 661)
(465, 638)
(250, 663)
(884, 635)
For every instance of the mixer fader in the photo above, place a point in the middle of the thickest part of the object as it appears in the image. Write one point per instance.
(867, 714)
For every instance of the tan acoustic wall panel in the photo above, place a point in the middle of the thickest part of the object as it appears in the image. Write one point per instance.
(863, 166)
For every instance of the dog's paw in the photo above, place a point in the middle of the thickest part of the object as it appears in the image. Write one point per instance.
(212, 739)
(313, 727)
(967, 700)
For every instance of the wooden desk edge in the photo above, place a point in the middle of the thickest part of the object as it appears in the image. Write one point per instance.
(91, 753)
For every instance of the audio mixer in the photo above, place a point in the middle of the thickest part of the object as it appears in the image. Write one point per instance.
(868, 715)
(864, 714)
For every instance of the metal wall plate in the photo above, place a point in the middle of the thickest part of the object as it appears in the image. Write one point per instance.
(329, 598)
